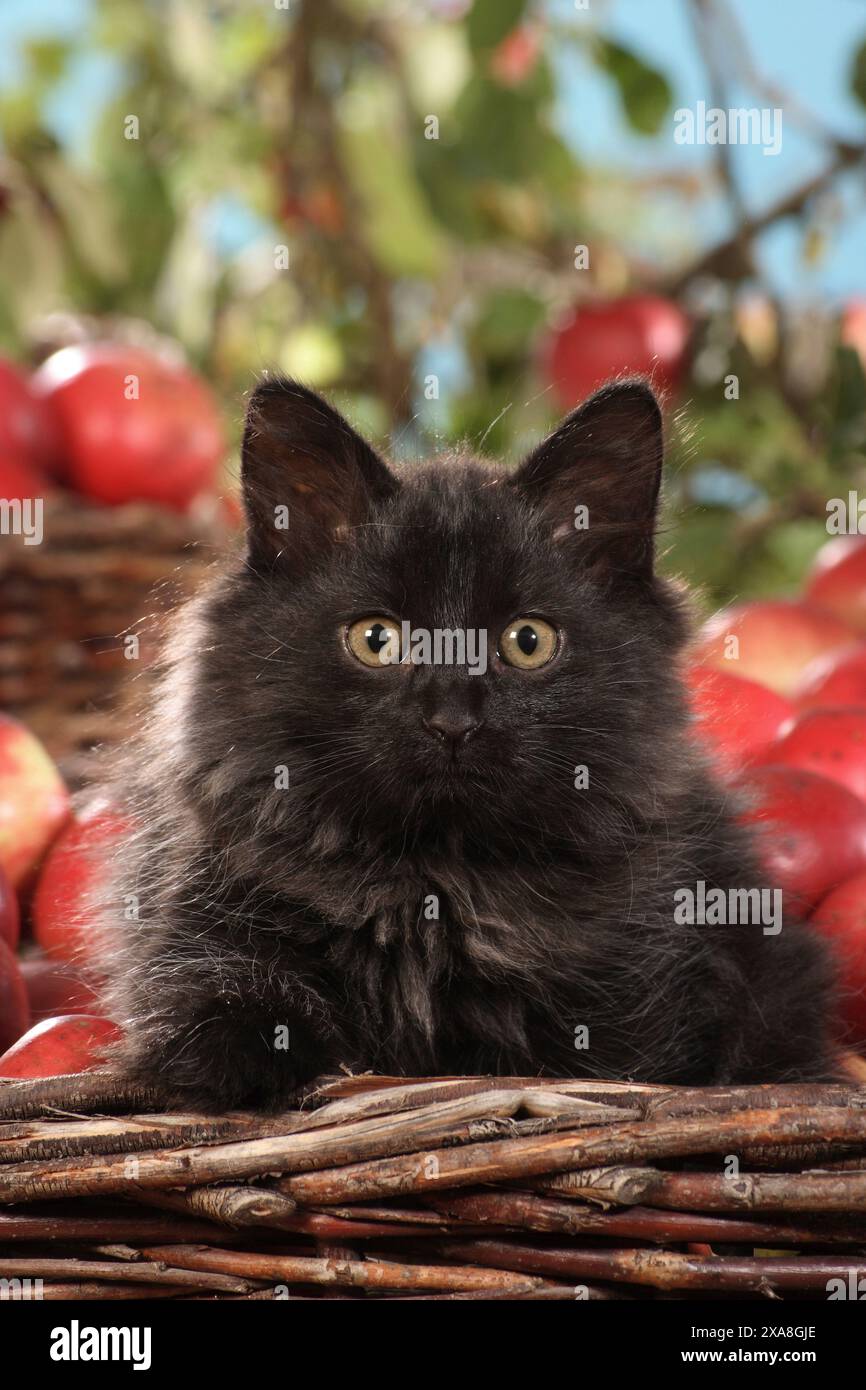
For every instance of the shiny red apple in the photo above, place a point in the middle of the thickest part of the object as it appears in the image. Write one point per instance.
(10, 916)
(134, 426)
(810, 831)
(831, 742)
(839, 678)
(19, 480)
(34, 802)
(837, 581)
(771, 641)
(28, 428)
(64, 901)
(72, 1042)
(736, 718)
(640, 334)
(841, 919)
(14, 1008)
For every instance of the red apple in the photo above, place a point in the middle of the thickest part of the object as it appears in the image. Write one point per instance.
(640, 334)
(737, 718)
(72, 1042)
(19, 480)
(841, 919)
(134, 427)
(53, 988)
(516, 56)
(770, 642)
(837, 581)
(63, 903)
(34, 802)
(832, 553)
(839, 678)
(831, 742)
(28, 428)
(10, 917)
(14, 1009)
(811, 832)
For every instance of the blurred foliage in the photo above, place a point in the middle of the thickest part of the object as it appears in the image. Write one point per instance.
(372, 195)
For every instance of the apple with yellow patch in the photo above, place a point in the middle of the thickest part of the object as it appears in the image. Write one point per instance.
(34, 802)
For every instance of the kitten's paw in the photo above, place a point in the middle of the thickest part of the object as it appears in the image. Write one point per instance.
(222, 1062)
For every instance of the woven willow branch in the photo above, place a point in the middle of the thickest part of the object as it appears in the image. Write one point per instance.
(454, 1188)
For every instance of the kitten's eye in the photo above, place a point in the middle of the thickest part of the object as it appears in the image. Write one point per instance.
(374, 641)
(528, 643)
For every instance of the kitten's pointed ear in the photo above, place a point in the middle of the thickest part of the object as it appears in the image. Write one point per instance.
(307, 477)
(597, 479)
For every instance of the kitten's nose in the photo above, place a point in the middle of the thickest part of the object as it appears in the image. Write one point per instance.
(453, 726)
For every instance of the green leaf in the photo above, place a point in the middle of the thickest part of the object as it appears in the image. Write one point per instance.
(490, 20)
(507, 323)
(845, 404)
(858, 74)
(244, 42)
(145, 216)
(696, 544)
(20, 118)
(47, 59)
(87, 217)
(791, 547)
(312, 352)
(503, 133)
(31, 263)
(644, 92)
(397, 223)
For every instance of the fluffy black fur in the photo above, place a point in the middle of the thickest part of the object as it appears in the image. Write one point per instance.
(261, 908)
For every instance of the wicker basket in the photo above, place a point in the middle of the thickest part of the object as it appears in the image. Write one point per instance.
(451, 1188)
(66, 605)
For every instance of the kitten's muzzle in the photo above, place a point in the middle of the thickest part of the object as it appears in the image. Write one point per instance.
(452, 727)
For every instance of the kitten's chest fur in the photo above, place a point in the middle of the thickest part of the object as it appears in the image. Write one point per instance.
(440, 960)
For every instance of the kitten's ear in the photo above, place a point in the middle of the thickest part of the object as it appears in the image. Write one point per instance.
(597, 479)
(307, 477)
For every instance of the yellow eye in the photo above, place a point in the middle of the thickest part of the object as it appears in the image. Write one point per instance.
(528, 643)
(374, 641)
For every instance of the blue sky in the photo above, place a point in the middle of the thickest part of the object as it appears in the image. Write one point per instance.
(804, 47)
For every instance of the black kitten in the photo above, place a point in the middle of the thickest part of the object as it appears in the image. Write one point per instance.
(418, 793)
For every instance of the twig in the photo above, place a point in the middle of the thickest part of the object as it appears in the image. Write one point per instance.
(812, 1192)
(92, 1227)
(508, 1159)
(524, 1212)
(230, 1206)
(453, 1122)
(372, 1274)
(726, 260)
(93, 1292)
(547, 1293)
(137, 1272)
(720, 1100)
(61, 1138)
(82, 1092)
(662, 1269)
